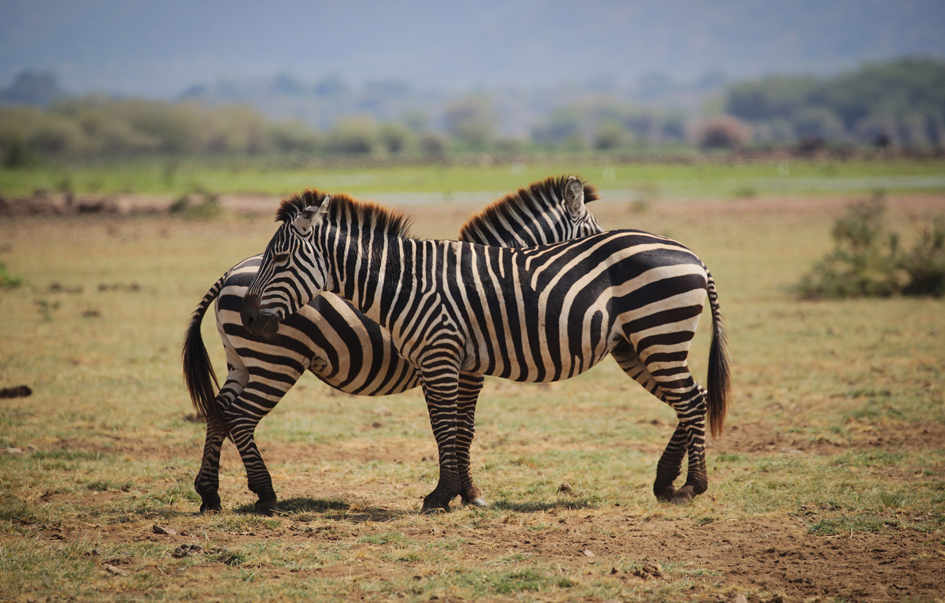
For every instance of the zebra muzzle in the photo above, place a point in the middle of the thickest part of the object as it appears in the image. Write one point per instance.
(258, 321)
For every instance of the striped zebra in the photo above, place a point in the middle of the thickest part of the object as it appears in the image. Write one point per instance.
(341, 346)
(536, 314)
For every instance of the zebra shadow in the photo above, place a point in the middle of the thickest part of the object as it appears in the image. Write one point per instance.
(328, 509)
(534, 507)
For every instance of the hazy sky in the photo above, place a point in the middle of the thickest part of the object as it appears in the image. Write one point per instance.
(160, 48)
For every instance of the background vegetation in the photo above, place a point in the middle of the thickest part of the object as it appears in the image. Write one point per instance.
(897, 104)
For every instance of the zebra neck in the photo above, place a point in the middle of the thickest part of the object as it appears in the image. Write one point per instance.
(378, 272)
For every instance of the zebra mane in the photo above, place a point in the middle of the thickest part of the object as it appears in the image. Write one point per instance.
(345, 210)
(539, 195)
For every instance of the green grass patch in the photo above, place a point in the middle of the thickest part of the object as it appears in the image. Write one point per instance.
(646, 181)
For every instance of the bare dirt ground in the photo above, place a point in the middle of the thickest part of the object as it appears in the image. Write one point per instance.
(768, 558)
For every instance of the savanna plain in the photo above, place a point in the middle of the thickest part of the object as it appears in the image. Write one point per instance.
(827, 485)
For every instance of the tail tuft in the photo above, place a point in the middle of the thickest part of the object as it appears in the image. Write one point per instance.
(199, 375)
(719, 380)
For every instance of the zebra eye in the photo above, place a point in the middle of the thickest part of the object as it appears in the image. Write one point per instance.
(280, 256)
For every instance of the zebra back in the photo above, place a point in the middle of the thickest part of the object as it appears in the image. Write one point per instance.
(548, 211)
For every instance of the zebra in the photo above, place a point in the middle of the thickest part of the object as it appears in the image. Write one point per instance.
(341, 346)
(536, 314)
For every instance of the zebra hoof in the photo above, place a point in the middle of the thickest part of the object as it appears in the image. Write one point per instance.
(432, 506)
(210, 504)
(666, 495)
(266, 509)
(682, 497)
(477, 502)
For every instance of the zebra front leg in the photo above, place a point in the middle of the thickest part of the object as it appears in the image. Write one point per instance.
(468, 395)
(207, 483)
(440, 386)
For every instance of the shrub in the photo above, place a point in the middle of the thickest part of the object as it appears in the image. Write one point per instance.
(353, 135)
(721, 132)
(472, 120)
(433, 146)
(925, 265)
(610, 135)
(868, 262)
(395, 137)
(9, 280)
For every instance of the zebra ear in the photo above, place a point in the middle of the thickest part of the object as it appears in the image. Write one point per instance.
(574, 195)
(312, 216)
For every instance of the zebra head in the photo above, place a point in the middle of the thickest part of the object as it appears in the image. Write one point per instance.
(582, 222)
(549, 211)
(292, 272)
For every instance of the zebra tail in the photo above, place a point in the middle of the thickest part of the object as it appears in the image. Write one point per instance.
(719, 377)
(199, 375)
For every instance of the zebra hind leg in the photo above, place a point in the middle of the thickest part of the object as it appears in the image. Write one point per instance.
(469, 388)
(689, 436)
(207, 482)
(242, 417)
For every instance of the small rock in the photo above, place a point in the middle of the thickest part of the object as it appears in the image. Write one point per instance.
(162, 530)
(653, 569)
(111, 569)
(649, 570)
(589, 553)
(186, 550)
(20, 391)
(736, 598)
(564, 487)
(14, 450)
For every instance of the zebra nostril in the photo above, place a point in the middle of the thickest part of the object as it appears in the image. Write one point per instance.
(249, 313)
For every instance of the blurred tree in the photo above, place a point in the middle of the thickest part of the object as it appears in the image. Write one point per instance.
(353, 135)
(562, 124)
(472, 120)
(294, 136)
(721, 132)
(818, 122)
(610, 135)
(395, 137)
(433, 146)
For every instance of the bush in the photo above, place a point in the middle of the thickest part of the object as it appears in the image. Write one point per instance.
(9, 280)
(353, 135)
(610, 135)
(395, 137)
(868, 262)
(925, 265)
(721, 132)
(472, 120)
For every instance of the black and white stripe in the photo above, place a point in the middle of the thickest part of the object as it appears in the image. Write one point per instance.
(536, 314)
(341, 346)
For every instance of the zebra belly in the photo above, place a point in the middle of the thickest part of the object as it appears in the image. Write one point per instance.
(338, 344)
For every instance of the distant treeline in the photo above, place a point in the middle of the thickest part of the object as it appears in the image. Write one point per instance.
(900, 103)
